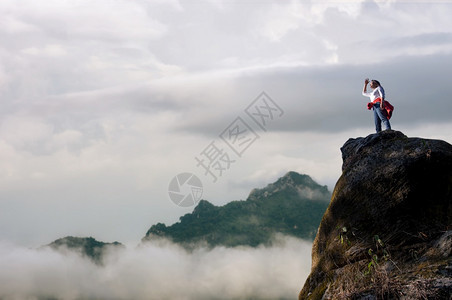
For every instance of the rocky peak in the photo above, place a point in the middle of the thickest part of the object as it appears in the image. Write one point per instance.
(387, 230)
(203, 206)
(293, 182)
(85, 246)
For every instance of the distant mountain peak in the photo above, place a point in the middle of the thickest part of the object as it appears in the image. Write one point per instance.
(86, 246)
(292, 181)
(293, 205)
(294, 176)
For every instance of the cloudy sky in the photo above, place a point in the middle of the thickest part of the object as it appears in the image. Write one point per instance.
(103, 102)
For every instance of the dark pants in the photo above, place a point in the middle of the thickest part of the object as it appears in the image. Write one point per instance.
(380, 115)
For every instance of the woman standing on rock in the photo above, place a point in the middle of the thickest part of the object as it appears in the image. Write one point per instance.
(382, 109)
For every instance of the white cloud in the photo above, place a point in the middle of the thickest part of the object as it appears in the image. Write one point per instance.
(48, 50)
(77, 46)
(158, 271)
(25, 131)
(101, 19)
(12, 25)
(276, 21)
(93, 45)
(350, 8)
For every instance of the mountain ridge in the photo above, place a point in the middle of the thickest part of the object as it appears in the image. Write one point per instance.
(292, 205)
(88, 247)
(266, 212)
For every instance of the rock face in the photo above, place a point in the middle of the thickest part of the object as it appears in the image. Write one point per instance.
(387, 233)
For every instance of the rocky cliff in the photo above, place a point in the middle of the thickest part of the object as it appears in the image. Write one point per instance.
(387, 232)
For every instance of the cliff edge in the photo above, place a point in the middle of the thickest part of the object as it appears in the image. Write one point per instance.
(387, 233)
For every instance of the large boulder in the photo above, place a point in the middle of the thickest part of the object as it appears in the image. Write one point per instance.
(387, 231)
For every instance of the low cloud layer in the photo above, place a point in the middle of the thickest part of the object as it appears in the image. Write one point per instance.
(158, 271)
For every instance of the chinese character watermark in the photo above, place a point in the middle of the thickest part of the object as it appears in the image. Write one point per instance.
(186, 189)
(263, 110)
(214, 161)
(239, 136)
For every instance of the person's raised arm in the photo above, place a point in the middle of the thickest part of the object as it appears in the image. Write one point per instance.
(366, 81)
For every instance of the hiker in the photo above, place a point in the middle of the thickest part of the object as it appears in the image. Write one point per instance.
(382, 109)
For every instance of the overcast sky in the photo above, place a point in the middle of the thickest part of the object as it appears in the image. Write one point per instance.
(103, 102)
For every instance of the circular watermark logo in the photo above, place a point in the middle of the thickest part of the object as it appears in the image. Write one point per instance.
(185, 189)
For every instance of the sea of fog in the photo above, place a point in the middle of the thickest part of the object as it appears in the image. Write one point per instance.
(157, 270)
